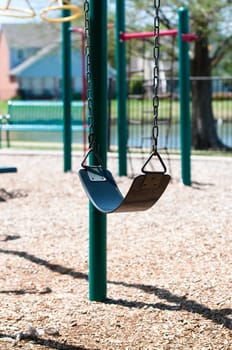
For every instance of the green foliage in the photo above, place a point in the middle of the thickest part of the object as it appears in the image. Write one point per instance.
(208, 18)
(136, 85)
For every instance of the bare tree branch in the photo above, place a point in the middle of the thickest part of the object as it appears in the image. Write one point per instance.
(221, 51)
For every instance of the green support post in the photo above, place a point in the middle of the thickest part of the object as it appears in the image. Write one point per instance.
(121, 86)
(67, 93)
(97, 255)
(184, 79)
(97, 220)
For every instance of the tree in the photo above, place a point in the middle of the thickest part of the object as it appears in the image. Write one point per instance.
(206, 22)
(207, 18)
(204, 134)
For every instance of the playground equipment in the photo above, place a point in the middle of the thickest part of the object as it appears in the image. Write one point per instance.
(95, 176)
(71, 11)
(140, 88)
(17, 12)
(97, 97)
(184, 78)
(184, 37)
(146, 188)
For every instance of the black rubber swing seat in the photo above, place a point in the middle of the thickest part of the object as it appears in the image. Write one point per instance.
(103, 192)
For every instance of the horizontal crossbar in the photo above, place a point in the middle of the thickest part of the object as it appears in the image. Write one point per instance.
(30, 127)
(172, 32)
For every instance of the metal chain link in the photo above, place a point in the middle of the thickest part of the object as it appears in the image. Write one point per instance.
(91, 137)
(156, 54)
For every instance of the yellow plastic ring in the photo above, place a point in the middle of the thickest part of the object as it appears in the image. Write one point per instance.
(76, 13)
(20, 13)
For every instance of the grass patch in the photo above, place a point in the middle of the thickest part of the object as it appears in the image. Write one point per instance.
(3, 107)
(39, 146)
(222, 109)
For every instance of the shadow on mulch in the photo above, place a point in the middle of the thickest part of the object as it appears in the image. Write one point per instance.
(6, 238)
(24, 291)
(53, 344)
(6, 195)
(178, 303)
(200, 185)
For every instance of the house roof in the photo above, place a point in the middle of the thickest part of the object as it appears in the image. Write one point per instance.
(21, 68)
(47, 38)
(47, 62)
(26, 35)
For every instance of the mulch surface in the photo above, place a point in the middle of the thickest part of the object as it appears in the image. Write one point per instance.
(169, 269)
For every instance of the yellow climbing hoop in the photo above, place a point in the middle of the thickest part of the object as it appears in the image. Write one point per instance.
(17, 12)
(76, 12)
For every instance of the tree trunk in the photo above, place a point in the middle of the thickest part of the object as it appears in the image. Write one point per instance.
(204, 133)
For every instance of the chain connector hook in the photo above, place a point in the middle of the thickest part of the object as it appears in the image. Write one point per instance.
(152, 155)
(96, 155)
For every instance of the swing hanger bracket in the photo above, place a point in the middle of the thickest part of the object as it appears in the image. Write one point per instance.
(96, 156)
(154, 154)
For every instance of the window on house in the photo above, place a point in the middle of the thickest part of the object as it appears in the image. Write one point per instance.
(20, 54)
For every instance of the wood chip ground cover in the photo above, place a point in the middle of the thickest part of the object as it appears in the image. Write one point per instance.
(169, 269)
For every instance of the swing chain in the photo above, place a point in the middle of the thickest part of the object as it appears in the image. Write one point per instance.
(91, 137)
(156, 54)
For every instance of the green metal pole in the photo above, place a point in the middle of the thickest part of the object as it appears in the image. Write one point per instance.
(67, 93)
(97, 220)
(121, 86)
(184, 79)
